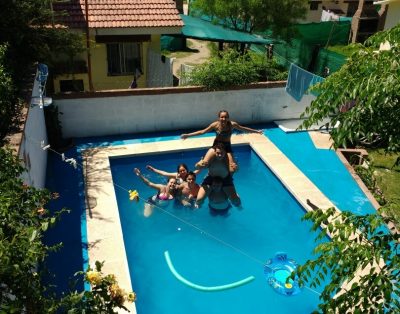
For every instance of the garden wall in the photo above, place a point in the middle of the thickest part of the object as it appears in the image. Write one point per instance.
(162, 109)
(30, 150)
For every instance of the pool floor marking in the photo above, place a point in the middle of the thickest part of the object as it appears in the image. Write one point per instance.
(204, 288)
(104, 233)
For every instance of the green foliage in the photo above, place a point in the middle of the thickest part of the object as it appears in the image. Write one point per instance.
(232, 68)
(104, 297)
(9, 105)
(358, 245)
(23, 222)
(26, 26)
(220, 73)
(253, 15)
(26, 32)
(347, 50)
(267, 69)
(363, 96)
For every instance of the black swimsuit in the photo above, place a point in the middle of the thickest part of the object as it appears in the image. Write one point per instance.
(224, 134)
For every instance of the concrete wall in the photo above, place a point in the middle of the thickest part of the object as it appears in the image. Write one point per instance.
(30, 151)
(135, 111)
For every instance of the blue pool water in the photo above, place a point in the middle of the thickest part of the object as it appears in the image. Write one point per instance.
(212, 250)
(321, 166)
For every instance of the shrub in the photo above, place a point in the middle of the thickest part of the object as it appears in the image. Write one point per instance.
(231, 68)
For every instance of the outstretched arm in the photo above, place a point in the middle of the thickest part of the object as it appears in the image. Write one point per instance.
(162, 172)
(237, 126)
(147, 181)
(207, 129)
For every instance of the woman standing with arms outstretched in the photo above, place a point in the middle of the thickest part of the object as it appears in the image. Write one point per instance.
(223, 128)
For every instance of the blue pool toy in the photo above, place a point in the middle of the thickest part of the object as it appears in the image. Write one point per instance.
(277, 270)
(204, 288)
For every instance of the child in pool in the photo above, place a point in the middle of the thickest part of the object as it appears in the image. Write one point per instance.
(223, 128)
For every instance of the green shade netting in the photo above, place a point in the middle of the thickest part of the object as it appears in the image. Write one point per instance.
(306, 49)
(200, 29)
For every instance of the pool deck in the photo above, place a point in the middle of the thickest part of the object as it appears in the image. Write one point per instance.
(104, 233)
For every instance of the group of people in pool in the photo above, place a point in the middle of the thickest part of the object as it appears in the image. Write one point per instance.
(217, 185)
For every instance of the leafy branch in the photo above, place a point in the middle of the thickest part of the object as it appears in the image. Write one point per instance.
(361, 262)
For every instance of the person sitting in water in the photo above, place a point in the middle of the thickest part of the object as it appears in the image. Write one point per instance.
(180, 175)
(165, 193)
(217, 167)
(189, 190)
(218, 201)
(223, 128)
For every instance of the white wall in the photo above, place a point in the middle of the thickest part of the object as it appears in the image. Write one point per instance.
(30, 151)
(96, 116)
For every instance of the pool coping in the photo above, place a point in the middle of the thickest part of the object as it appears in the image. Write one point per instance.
(104, 233)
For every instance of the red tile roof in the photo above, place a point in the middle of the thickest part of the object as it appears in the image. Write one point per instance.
(119, 13)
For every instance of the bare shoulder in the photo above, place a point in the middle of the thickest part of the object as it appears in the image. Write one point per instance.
(215, 124)
(235, 124)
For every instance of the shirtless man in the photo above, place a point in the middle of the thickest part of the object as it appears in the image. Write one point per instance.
(218, 201)
(217, 167)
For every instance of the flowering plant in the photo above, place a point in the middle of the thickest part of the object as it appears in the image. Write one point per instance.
(105, 295)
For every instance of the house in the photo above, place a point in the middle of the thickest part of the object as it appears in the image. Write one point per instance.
(122, 38)
(368, 17)
(392, 17)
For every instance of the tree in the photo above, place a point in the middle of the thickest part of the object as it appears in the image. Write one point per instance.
(362, 100)
(23, 222)
(363, 97)
(231, 68)
(253, 15)
(26, 25)
(26, 30)
(9, 105)
(359, 245)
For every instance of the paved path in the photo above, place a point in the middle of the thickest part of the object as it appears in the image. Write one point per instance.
(200, 54)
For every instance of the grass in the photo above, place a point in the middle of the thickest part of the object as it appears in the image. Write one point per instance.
(387, 178)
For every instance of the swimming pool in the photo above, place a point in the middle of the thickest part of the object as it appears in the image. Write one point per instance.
(212, 250)
(320, 165)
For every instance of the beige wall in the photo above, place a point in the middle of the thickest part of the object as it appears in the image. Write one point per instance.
(393, 15)
(101, 81)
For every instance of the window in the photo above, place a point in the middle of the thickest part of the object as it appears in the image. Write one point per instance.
(123, 58)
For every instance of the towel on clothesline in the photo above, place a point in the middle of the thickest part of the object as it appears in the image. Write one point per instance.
(299, 81)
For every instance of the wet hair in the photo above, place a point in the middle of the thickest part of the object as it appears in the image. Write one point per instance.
(219, 146)
(169, 179)
(183, 166)
(191, 173)
(223, 111)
